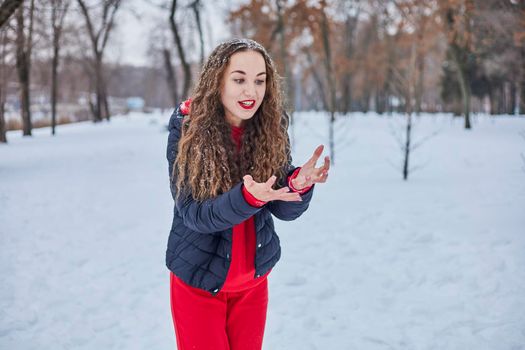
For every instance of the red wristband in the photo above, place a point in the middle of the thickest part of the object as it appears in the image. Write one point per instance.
(254, 202)
(290, 185)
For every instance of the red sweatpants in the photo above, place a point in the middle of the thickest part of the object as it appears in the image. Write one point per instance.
(226, 321)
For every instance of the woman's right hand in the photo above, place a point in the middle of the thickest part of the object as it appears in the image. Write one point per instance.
(263, 191)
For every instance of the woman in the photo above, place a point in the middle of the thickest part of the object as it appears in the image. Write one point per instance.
(230, 166)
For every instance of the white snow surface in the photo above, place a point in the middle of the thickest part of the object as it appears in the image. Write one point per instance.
(436, 262)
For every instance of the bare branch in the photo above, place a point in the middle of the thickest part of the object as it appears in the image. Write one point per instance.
(316, 77)
(397, 168)
(114, 7)
(89, 24)
(396, 136)
(420, 142)
(419, 167)
(347, 142)
(314, 131)
(7, 8)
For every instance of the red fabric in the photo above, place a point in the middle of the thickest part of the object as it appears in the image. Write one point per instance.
(185, 107)
(233, 319)
(241, 274)
(254, 202)
(290, 185)
(226, 321)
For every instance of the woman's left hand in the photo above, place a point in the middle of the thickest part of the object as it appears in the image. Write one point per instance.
(309, 174)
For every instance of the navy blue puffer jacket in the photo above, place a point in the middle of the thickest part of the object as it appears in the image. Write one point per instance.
(200, 240)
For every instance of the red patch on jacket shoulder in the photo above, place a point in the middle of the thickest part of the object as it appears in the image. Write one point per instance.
(185, 107)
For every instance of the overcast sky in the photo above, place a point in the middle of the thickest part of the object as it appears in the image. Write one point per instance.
(137, 18)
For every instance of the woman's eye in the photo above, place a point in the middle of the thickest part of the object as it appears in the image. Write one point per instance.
(238, 81)
(259, 82)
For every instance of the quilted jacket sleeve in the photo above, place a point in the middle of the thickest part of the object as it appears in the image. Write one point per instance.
(289, 211)
(211, 215)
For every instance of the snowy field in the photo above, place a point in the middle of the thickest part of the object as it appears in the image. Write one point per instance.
(376, 263)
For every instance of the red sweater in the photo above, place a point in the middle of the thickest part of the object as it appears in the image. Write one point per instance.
(241, 274)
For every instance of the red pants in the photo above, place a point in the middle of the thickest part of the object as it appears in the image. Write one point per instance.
(227, 321)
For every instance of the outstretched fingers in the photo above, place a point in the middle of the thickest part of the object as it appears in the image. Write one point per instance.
(315, 157)
(269, 183)
(283, 194)
(323, 175)
(248, 180)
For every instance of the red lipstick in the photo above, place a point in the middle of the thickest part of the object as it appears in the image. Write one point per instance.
(247, 104)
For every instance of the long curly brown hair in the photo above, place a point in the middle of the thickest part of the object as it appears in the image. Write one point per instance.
(208, 163)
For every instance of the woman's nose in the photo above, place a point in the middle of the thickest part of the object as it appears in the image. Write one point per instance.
(249, 90)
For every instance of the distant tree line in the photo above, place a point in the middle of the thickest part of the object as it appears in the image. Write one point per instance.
(465, 50)
(341, 56)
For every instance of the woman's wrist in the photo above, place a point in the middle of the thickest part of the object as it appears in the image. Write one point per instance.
(294, 188)
(251, 199)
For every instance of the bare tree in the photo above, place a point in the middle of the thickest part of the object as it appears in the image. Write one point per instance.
(407, 76)
(180, 49)
(350, 28)
(7, 8)
(99, 38)
(3, 44)
(409, 92)
(196, 6)
(170, 76)
(59, 9)
(285, 71)
(325, 33)
(457, 18)
(24, 44)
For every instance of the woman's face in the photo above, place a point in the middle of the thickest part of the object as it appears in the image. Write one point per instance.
(243, 86)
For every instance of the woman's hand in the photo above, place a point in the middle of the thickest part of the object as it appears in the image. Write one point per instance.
(263, 191)
(309, 174)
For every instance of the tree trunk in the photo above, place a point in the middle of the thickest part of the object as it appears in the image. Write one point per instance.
(346, 100)
(464, 85)
(105, 102)
(7, 8)
(409, 108)
(180, 49)
(380, 101)
(521, 82)
(492, 99)
(522, 97)
(420, 79)
(502, 98)
(459, 53)
(98, 112)
(325, 32)
(102, 96)
(23, 63)
(407, 144)
(25, 99)
(317, 79)
(3, 134)
(512, 98)
(196, 6)
(54, 85)
(3, 85)
(288, 82)
(58, 14)
(170, 76)
(99, 38)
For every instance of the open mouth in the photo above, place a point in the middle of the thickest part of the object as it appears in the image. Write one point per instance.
(247, 104)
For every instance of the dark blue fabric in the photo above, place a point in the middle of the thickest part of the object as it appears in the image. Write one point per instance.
(200, 240)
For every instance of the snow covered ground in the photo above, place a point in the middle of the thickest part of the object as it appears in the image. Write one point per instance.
(437, 262)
